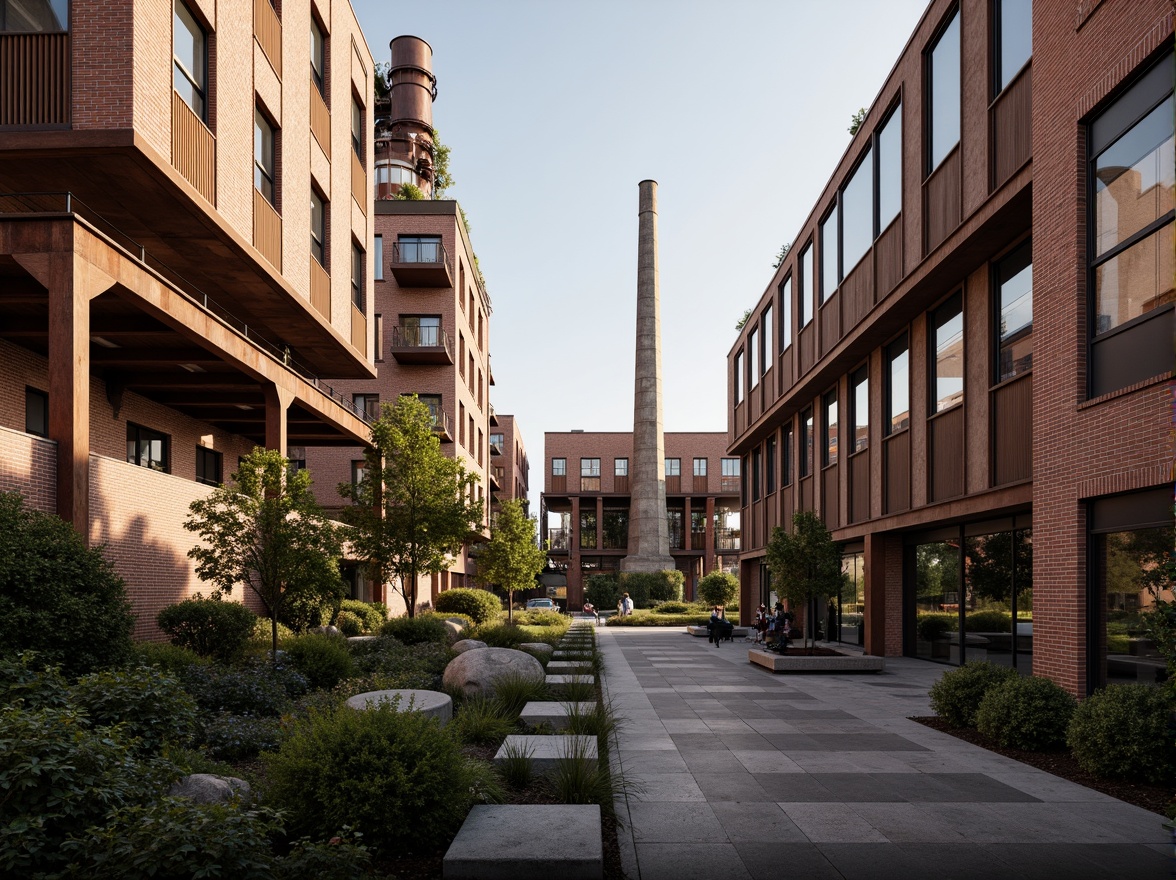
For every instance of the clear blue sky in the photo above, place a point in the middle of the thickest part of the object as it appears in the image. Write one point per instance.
(554, 112)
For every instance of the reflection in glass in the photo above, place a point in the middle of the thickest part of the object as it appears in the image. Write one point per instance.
(806, 443)
(861, 410)
(786, 457)
(753, 375)
(829, 255)
(1000, 589)
(615, 528)
(588, 529)
(1135, 281)
(898, 390)
(937, 601)
(675, 522)
(830, 452)
(768, 351)
(857, 214)
(807, 286)
(1015, 278)
(944, 131)
(1014, 38)
(948, 327)
(739, 377)
(786, 313)
(189, 56)
(851, 611)
(890, 170)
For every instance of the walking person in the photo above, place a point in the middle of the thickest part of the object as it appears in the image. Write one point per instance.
(720, 628)
(626, 606)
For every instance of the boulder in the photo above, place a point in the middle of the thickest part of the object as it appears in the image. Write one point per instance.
(475, 672)
(205, 788)
(325, 630)
(456, 626)
(467, 645)
(542, 649)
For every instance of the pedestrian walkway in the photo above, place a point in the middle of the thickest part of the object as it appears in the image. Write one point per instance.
(749, 774)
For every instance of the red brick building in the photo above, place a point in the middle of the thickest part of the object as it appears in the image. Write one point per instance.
(963, 364)
(585, 506)
(185, 224)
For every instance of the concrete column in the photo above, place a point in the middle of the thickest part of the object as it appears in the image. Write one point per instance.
(277, 402)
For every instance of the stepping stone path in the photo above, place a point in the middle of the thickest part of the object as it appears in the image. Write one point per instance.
(545, 750)
(527, 842)
(569, 667)
(558, 681)
(539, 648)
(433, 703)
(554, 715)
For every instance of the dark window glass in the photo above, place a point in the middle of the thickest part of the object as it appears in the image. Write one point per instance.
(421, 330)
(189, 59)
(318, 58)
(357, 277)
(830, 274)
(147, 448)
(36, 412)
(420, 249)
(753, 372)
(943, 75)
(806, 287)
(357, 128)
(1014, 38)
(1014, 278)
(857, 213)
(739, 377)
(786, 313)
(755, 475)
(264, 161)
(318, 229)
(806, 443)
(208, 466)
(358, 472)
(587, 529)
(367, 405)
(743, 482)
(898, 386)
(614, 528)
(786, 457)
(890, 169)
(770, 456)
(34, 16)
(860, 385)
(767, 352)
(947, 332)
(829, 447)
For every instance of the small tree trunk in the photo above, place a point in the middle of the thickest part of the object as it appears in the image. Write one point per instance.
(274, 631)
(510, 606)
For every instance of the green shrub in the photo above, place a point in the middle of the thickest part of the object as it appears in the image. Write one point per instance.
(323, 659)
(957, 695)
(240, 737)
(935, 626)
(58, 597)
(1028, 712)
(343, 857)
(513, 691)
(501, 635)
(539, 617)
(215, 627)
(398, 776)
(349, 624)
(603, 591)
(479, 605)
(649, 618)
(672, 608)
(718, 588)
(258, 690)
(25, 683)
(1122, 732)
(371, 614)
(389, 656)
(988, 621)
(151, 706)
(416, 630)
(263, 634)
(647, 587)
(170, 658)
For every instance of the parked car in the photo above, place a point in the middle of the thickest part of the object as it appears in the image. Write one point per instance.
(541, 605)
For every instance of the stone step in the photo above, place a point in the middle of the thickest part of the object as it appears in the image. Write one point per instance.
(568, 667)
(544, 750)
(558, 681)
(552, 714)
(527, 842)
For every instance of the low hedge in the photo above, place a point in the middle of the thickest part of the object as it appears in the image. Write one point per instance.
(213, 627)
(1028, 712)
(650, 618)
(956, 696)
(479, 605)
(1122, 732)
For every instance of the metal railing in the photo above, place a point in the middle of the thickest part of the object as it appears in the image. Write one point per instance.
(421, 337)
(727, 539)
(58, 203)
(557, 539)
(416, 252)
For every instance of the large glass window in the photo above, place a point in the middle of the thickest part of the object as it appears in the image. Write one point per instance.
(846, 620)
(675, 522)
(34, 16)
(356, 127)
(614, 528)
(829, 426)
(947, 329)
(589, 474)
(739, 377)
(673, 467)
(421, 330)
(378, 257)
(767, 352)
(419, 248)
(318, 228)
(807, 286)
(189, 57)
(264, 157)
(770, 463)
(700, 467)
(1014, 279)
(998, 599)
(1014, 38)
(786, 313)
(829, 266)
(806, 443)
(621, 467)
(943, 84)
(559, 467)
(898, 386)
(36, 412)
(937, 600)
(357, 280)
(857, 213)
(208, 466)
(786, 457)
(860, 388)
(147, 448)
(587, 529)
(756, 472)
(318, 57)
(890, 169)
(367, 404)
(753, 373)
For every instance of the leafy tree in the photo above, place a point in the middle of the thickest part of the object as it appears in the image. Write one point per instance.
(442, 176)
(742, 321)
(266, 531)
(382, 79)
(855, 121)
(805, 564)
(409, 192)
(413, 509)
(718, 588)
(512, 558)
(783, 253)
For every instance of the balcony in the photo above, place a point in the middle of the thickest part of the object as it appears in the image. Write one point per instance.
(497, 478)
(421, 264)
(493, 415)
(442, 427)
(496, 446)
(727, 539)
(557, 540)
(421, 345)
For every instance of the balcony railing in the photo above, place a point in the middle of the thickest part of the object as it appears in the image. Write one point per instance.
(729, 485)
(557, 540)
(358, 330)
(727, 539)
(421, 264)
(320, 119)
(267, 27)
(441, 426)
(421, 345)
(193, 149)
(493, 414)
(320, 289)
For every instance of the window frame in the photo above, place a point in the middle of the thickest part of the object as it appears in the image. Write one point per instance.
(140, 436)
(262, 125)
(756, 474)
(357, 127)
(378, 257)
(703, 471)
(1012, 256)
(317, 76)
(857, 379)
(889, 356)
(949, 20)
(770, 465)
(753, 347)
(177, 66)
(833, 252)
(786, 446)
(999, 82)
(677, 467)
(592, 465)
(937, 319)
(559, 467)
(807, 443)
(805, 267)
(767, 353)
(739, 378)
(620, 470)
(318, 244)
(785, 313)
(204, 455)
(37, 394)
(358, 291)
(830, 431)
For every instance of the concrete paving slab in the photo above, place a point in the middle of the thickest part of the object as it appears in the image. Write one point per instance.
(678, 787)
(545, 751)
(499, 842)
(832, 823)
(674, 822)
(692, 861)
(763, 861)
(554, 715)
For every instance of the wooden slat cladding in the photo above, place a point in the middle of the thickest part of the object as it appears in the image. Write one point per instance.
(674, 485)
(830, 504)
(785, 370)
(857, 291)
(194, 151)
(946, 437)
(942, 201)
(808, 346)
(859, 487)
(787, 507)
(806, 494)
(34, 79)
(320, 289)
(267, 230)
(1012, 431)
(830, 315)
(358, 330)
(1012, 127)
(320, 120)
(267, 27)
(559, 483)
(897, 474)
(620, 484)
(358, 182)
(888, 258)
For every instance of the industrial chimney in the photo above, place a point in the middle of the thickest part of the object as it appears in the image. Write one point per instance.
(404, 120)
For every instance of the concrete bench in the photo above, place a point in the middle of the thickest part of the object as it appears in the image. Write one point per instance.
(802, 663)
(740, 632)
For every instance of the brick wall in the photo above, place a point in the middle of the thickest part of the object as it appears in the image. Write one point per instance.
(28, 465)
(101, 34)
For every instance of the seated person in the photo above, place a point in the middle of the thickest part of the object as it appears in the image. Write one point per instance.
(589, 608)
(720, 628)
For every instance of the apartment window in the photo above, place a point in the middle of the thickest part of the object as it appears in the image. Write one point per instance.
(770, 469)
(357, 128)
(786, 313)
(589, 474)
(44, 17)
(461, 354)
(481, 446)
(857, 213)
(753, 372)
(433, 402)
(829, 446)
(208, 466)
(1014, 320)
(420, 249)
(587, 529)
(755, 474)
(943, 86)
(729, 470)
(356, 276)
(147, 448)
(189, 56)
(36, 412)
(947, 332)
(766, 351)
(806, 286)
(461, 423)
(898, 386)
(559, 467)
(739, 377)
(806, 443)
(743, 483)
(889, 145)
(673, 467)
(829, 265)
(481, 385)
(318, 58)
(700, 467)
(264, 157)
(368, 404)
(379, 337)
(378, 257)
(1014, 39)
(318, 228)
(423, 331)
(621, 467)
(859, 384)
(1133, 174)
(358, 472)
(786, 457)
(496, 440)
(471, 429)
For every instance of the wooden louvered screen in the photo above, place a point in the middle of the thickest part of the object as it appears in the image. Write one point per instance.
(194, 153)
(34, 79)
